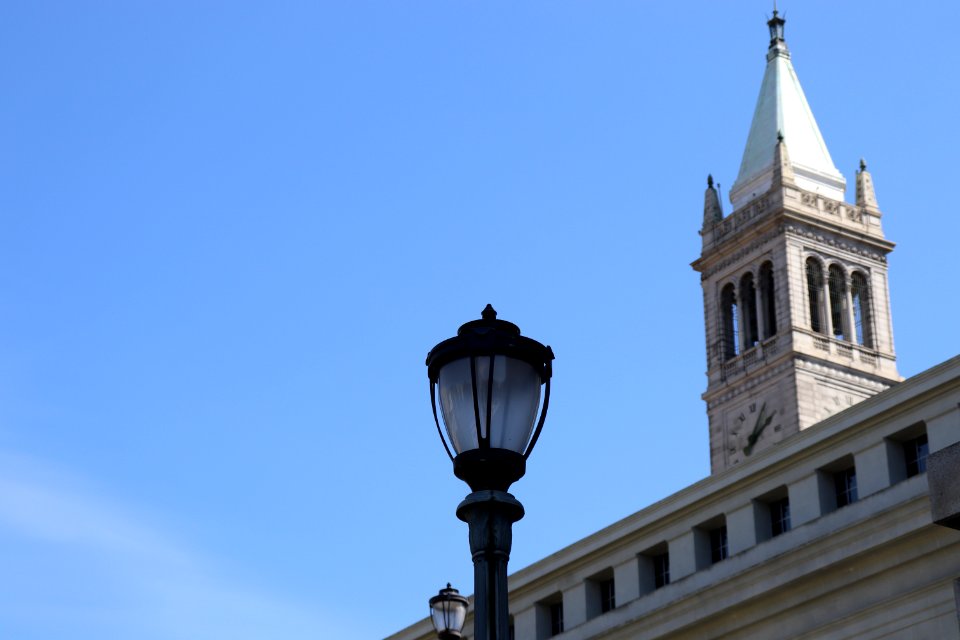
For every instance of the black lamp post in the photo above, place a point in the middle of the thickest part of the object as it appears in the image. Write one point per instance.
(488, 379)
(448, 610)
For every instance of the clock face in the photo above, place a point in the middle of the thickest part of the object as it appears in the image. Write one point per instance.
(749, 427)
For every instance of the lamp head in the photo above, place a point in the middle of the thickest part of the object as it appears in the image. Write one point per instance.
(488, 381)
(448, 611)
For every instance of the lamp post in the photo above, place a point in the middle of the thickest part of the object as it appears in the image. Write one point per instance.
(448, 610)
(488, 381)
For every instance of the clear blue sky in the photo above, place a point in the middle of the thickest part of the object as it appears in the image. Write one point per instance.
(231, 231)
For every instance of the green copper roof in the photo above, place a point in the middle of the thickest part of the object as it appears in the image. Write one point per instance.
(782, 107)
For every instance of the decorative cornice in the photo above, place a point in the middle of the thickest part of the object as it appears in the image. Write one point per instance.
(736, 257)
(755, 209)
(833, 207)
(799, 231)
(818, 366)
(748, 383)
(800, 362)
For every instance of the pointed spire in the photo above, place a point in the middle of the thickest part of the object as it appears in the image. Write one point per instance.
(782, 169)
(712, 209)
(866, 197)
(782, 108)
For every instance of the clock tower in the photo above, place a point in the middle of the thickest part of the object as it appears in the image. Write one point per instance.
(795, 292)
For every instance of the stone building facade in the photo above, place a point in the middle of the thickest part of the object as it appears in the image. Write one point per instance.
(832, 507)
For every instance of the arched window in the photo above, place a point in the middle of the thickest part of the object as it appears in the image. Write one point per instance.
(768, 309)
(748, 303)
(838, 295)
(860, 297)
(815, 295)
(729, 335)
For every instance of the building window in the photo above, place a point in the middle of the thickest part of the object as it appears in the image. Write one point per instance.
(838, 296)
(915, 454)
(815, 295)
(748, 303)
(779, 516)
(860, 299)
(718, 544)
(654, 566)
(845, 483)
(768, 309)
(608, 598)
(511, 634)
(730, 338)
(556, 618)
(661, 570)
(600, 593)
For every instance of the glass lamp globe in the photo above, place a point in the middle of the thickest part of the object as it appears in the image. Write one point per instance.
(448, 611)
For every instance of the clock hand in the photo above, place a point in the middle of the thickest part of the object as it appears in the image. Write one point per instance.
(761, 424)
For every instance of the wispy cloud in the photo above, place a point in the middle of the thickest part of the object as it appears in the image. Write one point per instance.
(92, 567)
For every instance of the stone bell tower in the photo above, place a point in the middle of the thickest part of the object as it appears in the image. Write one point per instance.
(795, 291)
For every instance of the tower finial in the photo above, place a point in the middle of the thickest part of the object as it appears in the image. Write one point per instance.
(712, 209)
(782, 168)
(866, 195)
(776, 27)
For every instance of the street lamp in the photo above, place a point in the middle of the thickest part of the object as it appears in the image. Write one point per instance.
(488, 382)
(448, 610)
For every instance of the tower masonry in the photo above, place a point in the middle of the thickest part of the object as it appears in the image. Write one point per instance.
(795, 290)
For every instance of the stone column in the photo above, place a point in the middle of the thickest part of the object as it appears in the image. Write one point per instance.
(683, 556)
(758, 302)
(525, 623)
(875, 469)
(626, 577)
(851, 332)
(575, 605)
(744, 317)
(826, 308)
(807, 498)
(743, 528)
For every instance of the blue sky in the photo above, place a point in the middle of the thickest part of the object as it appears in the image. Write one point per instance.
(231, 231)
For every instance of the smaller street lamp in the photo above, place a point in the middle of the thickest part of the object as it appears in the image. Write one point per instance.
(448, 610)
(488, 380)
